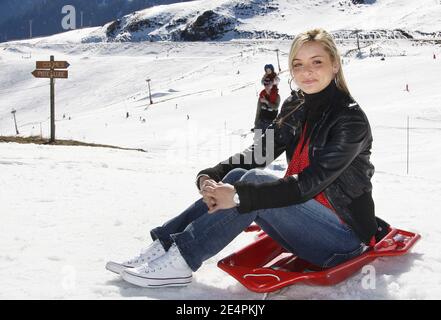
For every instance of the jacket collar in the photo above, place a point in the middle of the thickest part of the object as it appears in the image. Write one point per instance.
(317, 103)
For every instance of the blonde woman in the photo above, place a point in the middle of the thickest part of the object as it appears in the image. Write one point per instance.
(322, 210)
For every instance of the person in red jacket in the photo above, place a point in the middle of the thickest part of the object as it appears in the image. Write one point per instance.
(322, 209)
(267, 107)
(268, 102)
(271, 79)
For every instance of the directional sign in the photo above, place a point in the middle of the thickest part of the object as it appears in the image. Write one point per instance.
(52, 64)
(62, 74)
(46, 69)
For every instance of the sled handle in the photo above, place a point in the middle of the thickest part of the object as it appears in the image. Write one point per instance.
(261, 275)
(396, 242)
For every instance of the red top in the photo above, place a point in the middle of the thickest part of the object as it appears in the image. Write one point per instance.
(299, 161)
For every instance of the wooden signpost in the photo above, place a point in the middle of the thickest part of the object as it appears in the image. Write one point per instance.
(46, 69)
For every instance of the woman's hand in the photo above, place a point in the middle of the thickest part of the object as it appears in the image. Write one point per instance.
(209, 201)
(220, 195)
(202, 179)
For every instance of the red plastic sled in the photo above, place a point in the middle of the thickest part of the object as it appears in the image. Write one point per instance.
(264, 266)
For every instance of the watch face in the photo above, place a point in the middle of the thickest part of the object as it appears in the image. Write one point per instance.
(236, 198)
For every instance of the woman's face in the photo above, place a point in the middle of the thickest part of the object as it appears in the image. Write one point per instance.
(313, 69)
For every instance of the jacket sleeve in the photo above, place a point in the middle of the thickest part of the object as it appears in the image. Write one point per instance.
(256, 119)
(259, 155)
(347, 139)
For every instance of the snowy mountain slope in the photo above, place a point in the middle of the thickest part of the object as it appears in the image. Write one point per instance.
(66, 211)
(232, 19)
(195, 21)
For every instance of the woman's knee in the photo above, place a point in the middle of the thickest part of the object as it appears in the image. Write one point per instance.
(234, 175)
(258, 175)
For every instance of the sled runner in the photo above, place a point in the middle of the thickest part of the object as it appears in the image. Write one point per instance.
(264, 266)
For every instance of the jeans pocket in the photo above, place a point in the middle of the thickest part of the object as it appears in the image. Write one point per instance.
(338, 258)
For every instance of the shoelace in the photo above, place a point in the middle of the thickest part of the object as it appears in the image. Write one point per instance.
(139, 258)
(159, 264)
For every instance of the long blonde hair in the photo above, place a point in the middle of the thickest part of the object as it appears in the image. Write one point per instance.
(326, 40)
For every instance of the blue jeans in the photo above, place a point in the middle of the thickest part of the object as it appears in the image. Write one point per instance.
(309, 229)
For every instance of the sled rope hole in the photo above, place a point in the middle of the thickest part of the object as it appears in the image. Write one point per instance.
(261, 275)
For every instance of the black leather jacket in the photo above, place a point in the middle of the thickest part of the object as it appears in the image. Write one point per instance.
(339, 152)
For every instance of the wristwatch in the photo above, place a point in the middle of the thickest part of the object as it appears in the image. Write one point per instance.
(236, 199)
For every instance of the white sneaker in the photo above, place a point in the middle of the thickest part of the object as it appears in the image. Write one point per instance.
(147, 255)
(170, 270)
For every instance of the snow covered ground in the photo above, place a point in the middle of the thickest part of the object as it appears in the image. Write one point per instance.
(65, 211)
